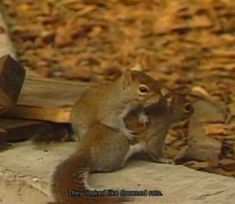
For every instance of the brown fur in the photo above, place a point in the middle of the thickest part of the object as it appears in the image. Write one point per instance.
(91, 157)
(109, 103)
(162, 116)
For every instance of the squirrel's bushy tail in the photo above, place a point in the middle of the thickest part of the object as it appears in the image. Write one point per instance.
(70, 179)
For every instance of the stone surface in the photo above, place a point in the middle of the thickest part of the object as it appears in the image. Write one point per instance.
(25, 174)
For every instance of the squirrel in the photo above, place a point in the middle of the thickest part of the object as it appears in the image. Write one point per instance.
(103, 149)
(109, 103)
(171, 109)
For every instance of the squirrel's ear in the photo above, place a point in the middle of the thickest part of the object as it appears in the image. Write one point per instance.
(165, 92)
(131, 75)
(127, 78)
(170, 99)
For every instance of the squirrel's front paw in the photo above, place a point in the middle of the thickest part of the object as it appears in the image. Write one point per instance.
(130, 134)
(166, 161)
(144, 120)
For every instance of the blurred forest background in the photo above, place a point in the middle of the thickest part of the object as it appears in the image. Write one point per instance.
(185, 43)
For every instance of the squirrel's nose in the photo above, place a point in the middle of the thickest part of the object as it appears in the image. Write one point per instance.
(152, 100)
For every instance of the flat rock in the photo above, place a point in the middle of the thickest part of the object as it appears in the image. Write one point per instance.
(26, 170)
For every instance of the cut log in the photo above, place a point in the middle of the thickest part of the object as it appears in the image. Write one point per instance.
(11, 73)
(11, 81)
(43, 113)
(50, 93)
(3, 138)
(18, 130)
(47, 99)
(15, 130)
(41, 98)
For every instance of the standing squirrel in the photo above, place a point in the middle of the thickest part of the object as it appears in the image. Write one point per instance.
(103, 149)
(109, 103)
(163, 115)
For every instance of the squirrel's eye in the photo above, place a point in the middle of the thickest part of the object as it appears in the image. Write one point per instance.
(188, 107)
(143, 89)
